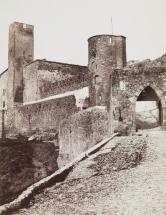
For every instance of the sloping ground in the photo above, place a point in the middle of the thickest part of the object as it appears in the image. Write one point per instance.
(161, 61)
(96, 185)
(147, 120)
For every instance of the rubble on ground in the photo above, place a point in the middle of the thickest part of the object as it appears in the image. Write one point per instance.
(80, 192)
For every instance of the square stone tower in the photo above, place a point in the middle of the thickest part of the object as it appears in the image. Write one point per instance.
(20, 53)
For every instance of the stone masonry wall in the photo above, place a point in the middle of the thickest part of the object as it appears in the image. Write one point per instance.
(43, 79)
(105, 53)
(127, 85)
(20, 53)
(81, 131)
(30, 92)
(39, 116)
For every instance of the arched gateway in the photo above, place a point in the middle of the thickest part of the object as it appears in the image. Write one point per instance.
(148, 109)
(119, 85)
(133, 86)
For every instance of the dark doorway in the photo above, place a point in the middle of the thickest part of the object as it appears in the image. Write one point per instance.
(148, 109)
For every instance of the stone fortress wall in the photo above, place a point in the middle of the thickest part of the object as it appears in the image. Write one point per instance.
(28, 87)
(127, 85)
(41, 116)
(44, 78)
(35, 90)
(40, 96)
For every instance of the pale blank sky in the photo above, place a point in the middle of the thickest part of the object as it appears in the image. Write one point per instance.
(62, 27)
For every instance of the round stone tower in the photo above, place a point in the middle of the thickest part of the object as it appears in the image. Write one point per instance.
(106, 52)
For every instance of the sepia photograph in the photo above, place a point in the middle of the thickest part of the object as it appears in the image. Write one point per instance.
(83, 107)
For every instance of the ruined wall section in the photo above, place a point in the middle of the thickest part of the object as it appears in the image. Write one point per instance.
(127, 85)
(81, 131)
(41, 116)
(51, 78)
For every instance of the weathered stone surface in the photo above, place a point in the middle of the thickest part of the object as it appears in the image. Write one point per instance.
(21, 52)
(93, 180)
(112, 85)
(22, 164)
(81, 131)
(46, 78)
(105, 53)
(42, 116)
(135, 80)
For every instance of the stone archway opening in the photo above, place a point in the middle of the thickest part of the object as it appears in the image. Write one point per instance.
(148, 109)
